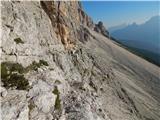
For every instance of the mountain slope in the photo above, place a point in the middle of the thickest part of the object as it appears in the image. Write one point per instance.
(56, 67)
(134, 73)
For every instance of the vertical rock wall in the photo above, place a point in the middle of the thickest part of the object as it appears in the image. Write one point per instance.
(67, 18)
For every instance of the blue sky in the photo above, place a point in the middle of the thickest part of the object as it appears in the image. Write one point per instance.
(114, 13)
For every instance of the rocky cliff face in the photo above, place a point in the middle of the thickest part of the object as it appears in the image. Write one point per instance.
(55, 67)
(67, 19)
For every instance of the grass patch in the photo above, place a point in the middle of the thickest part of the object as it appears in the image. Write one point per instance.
(18, 40)
(58, 101)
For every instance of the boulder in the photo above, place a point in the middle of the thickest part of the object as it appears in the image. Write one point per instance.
(101, 29)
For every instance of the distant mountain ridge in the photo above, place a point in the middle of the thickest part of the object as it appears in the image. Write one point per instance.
(114, 28)
(146, 34)
(141, 37)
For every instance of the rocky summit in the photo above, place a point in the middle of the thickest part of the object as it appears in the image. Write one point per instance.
(57, 64)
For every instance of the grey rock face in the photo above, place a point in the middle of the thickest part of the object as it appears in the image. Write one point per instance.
(14, 106)
(66, 18)
(3, 91)
(73, 72)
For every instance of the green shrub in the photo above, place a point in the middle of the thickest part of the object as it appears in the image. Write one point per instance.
(16, 67)
(17, 81)
(18, 40)
(58, 101)
(8, 67)
(4, 71)
(35, 65)
(12, 76)
(43, 62)
(31, 106)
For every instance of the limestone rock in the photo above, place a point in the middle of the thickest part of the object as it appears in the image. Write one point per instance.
(84, 75)
(45, 102)
(14, 106)
(67, 18)
(3, 91)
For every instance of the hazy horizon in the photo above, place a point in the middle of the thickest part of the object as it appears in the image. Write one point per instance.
(115, 13)
(125, 24)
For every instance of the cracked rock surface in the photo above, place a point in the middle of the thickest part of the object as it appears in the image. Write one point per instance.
(71, 71)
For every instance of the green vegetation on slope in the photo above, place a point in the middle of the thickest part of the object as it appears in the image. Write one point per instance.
(12, 74)
(18, 40)
(58, 101)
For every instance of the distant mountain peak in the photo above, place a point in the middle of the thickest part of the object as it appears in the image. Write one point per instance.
(157, 17)
(113, 28)
(142, 36)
